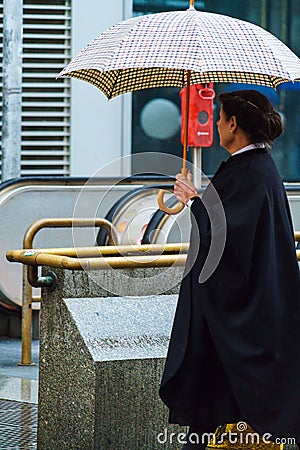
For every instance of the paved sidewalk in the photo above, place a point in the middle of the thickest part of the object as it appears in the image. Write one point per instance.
(18, 397)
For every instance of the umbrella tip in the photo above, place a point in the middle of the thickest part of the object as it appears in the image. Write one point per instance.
(192, 4)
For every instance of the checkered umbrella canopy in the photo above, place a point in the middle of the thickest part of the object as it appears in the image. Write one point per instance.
(157, 50)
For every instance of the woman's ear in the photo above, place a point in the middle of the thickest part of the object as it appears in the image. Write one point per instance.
(233, 124)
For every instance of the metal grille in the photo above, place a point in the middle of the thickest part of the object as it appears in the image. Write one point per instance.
(18, 425)
(45, 100)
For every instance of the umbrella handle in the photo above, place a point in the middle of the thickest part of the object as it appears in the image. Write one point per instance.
(160, 200)
(163, 207)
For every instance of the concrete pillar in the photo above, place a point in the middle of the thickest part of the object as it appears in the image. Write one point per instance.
(101, 361)
(12, 89)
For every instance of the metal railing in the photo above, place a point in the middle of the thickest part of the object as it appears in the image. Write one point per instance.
(82, 258)
(30, 273)
(85, 258)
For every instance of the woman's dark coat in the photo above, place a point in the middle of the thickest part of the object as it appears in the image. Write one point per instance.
(234, 352)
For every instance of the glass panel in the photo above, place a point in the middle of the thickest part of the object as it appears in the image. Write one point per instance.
(280, 17)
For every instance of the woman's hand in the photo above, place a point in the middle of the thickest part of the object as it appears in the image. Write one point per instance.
(184, 188)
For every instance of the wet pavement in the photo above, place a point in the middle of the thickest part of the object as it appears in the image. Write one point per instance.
(18, 397)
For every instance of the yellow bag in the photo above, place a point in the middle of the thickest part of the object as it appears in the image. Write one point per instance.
(240, 436)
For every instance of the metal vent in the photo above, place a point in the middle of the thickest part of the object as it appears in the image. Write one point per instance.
(45, 100)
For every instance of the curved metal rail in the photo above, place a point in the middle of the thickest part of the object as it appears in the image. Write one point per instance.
(63, 223)
(31, 273)
(84, 258)
(153, 255)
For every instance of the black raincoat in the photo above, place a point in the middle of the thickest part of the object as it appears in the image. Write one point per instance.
(234, 352)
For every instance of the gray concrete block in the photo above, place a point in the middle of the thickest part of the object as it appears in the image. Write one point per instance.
(121, 282)
(101, 361)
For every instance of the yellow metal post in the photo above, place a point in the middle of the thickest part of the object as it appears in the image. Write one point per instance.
(30, 272)
(26, 321)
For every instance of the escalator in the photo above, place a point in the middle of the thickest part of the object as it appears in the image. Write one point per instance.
(130, 204)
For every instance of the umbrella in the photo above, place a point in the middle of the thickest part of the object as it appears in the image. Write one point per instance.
(180, 48)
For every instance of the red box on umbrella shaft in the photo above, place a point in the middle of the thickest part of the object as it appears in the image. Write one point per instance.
(201, 117)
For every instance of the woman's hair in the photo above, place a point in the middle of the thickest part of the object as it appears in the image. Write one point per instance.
(254, 115)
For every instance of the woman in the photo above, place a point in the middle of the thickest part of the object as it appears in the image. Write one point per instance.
(233, 354)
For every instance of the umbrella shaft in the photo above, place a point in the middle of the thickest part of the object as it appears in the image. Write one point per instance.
(186, 121)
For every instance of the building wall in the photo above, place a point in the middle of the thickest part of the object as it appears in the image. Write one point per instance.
(100, 129)
(45, 115)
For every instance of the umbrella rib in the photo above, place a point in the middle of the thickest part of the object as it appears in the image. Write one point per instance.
(114, 83)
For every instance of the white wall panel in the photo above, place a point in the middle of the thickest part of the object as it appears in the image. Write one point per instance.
(100, 129)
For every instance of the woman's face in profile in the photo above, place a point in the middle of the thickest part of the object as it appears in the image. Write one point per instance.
(225, 135)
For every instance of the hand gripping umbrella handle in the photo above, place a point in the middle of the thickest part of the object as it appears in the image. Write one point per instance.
(160, 199)
(163, 207)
